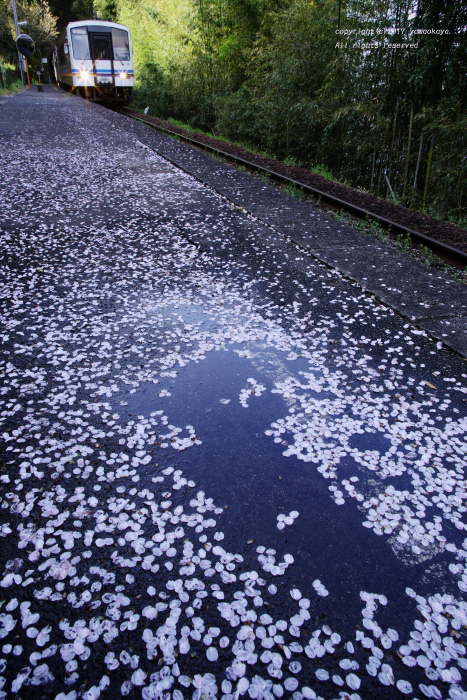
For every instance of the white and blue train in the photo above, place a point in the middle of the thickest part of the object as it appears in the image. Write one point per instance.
(95, 59)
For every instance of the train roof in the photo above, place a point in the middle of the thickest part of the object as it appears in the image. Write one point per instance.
(87, 22)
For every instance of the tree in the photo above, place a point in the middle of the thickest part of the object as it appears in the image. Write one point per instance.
(70, 11)
(7, 46)
(42, 25)
(107, 9)
(276, 75)
(440, 72)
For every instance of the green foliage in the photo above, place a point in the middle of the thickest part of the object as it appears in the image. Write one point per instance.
(155, 92)
(106, 9)
(7, 48)
(162, 37)
(287, 65)
(70, 11)
(293, 190)
(269, 74)
(41, 26)
(10, 80)
(446, 124)
(81, 9)
(322, 170)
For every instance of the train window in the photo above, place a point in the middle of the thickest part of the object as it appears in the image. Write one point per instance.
(62, 55)
(79, 38)
(121, 44)
(101, 47)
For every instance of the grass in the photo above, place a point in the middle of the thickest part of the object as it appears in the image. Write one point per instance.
(402, 243)
(293, 161)
(429, 258)
(211, 134)
(458, 220)
(188, 127)
(394, 198)
(293, 190)
(321, 170)
(15, 86)
(263, 177)
(12, 84)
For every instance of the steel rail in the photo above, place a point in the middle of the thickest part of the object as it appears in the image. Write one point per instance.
(457, 257)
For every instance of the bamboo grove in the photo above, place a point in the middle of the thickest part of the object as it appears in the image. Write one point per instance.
(296, 79)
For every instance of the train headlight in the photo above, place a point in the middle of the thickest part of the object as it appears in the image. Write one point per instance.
(123, 75)
(84, 74)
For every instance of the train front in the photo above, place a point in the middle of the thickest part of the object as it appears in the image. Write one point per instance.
(102, 60)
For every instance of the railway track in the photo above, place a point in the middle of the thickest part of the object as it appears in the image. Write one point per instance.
(447, 253)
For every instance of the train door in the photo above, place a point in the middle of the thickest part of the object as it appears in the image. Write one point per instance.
(101, 48)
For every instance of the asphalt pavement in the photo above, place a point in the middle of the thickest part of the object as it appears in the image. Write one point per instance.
(230, 466)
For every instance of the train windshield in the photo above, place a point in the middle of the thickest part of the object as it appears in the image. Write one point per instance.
(79, 38)
(101, 47)
(121, 44)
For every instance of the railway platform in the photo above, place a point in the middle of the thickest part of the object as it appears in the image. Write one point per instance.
(227, 468)
(429, 298)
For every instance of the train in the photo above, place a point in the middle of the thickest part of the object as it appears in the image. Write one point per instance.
(94, 59)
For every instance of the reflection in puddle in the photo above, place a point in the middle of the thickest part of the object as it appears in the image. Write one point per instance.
(246, 472)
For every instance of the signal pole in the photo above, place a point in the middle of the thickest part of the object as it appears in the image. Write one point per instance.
(20, 58)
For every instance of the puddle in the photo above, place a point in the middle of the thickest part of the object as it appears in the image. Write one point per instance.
(246, 473)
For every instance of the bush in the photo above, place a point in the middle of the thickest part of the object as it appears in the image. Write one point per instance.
(11, 77)
(154, 90)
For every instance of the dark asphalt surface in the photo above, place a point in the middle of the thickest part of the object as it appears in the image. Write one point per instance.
(226, 469)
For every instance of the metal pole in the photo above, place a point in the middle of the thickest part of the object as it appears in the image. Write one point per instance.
(389, 185)
(20, 58)
(27, 72)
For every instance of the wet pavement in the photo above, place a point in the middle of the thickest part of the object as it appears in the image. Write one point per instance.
(227, 470)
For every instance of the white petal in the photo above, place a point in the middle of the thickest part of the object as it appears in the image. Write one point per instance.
(404, 687)
(322, 674)
(353, 681)
(212, 654)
